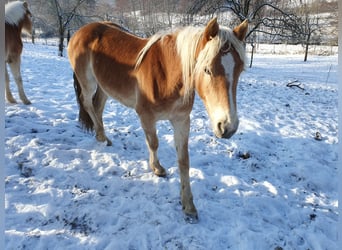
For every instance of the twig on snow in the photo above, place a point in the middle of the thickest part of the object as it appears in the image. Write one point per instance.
(295, 84)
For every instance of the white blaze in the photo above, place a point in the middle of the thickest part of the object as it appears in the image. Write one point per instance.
(229, 65)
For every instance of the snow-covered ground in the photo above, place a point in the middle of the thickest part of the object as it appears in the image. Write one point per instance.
(271, 186)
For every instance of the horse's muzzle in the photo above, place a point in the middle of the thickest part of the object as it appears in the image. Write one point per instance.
(226, 130)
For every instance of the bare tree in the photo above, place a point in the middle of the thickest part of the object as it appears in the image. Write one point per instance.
(294, 21)
(267, 17)
(312, 26)
(64, 13)
(307, 25)
(260, 13)
(57, 15)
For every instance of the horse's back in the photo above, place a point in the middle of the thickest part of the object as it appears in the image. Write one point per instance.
(104, 41)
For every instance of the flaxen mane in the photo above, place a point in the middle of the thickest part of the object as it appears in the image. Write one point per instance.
(14, 12)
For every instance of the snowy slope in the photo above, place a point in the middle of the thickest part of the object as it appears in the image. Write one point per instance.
(271, 186)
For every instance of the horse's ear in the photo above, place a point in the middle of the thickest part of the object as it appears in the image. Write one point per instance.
(211, 29)
(241, 30)
(25, 5)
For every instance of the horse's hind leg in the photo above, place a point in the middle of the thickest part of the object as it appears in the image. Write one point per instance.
(9, 95)
(99, 101)
(88, 99)
(15, 68)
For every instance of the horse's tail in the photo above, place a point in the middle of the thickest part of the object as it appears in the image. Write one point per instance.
(83, 116)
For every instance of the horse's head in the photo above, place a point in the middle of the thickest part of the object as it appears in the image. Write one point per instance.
(220, 60)
(27, 20)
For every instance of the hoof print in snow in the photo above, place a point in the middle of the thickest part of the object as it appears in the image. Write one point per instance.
(25, 171)
(191, 219)
(244, 155)
(313, 217)
(318, 136)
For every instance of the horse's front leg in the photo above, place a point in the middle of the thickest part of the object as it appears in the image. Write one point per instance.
(181, 137)
(9, 95)
(149, 127)
(15, 68)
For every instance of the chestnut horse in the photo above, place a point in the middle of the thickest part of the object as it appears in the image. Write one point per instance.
(17, 19)
(158, 78)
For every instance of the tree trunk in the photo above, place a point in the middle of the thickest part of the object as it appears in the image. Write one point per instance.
(306, 52)
(307, 48)
(33, 34)
(68, 36)
(252, 55)
(61, 43)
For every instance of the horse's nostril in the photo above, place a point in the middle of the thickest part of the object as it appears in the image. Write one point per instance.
(221, 128)
(225, 130)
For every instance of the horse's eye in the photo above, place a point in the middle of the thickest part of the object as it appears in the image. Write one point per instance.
(207, 71)
(226, 48)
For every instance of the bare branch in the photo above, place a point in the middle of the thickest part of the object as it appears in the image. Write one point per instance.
(295, 84)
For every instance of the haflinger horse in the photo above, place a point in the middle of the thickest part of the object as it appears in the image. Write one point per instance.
(158, 77)
(17, 19)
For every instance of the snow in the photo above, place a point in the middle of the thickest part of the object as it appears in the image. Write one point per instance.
(271, 186)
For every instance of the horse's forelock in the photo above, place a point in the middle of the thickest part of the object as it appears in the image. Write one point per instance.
(14, 12)
(227, 34)
(213, 47)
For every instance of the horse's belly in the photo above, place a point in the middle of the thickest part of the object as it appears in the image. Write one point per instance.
(125, 95)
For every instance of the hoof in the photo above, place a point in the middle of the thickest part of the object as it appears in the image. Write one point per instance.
(191, 218)
(103, 138)
(160, 172)
(109, 142)
(27, 102)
